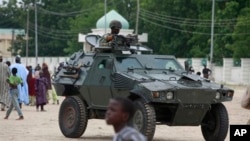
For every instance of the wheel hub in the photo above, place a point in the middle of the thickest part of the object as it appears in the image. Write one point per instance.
(138, 120)
(69, 117)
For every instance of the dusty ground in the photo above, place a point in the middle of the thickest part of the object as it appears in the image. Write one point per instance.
(43, 126)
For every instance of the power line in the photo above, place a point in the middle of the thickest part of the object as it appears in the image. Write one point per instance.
(188, 19)
(171, 28)
(48, 36)
(180, 23)
(55, 34)
(73, 13)
(193, 22)
(59, 31)
(187, 31)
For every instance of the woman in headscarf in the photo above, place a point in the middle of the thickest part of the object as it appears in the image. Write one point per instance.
(46, 74)
(31, 85)
(41, 87)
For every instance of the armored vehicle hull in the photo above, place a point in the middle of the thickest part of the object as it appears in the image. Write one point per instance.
(162, 90)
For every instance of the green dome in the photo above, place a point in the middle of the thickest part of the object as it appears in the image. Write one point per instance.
(112, 15)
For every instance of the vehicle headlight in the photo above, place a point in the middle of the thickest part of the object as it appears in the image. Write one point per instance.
(169, 95)
(155, 94)
(230, 93)
(217, 96)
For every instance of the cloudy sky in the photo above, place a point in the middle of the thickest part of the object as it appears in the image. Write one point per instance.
(1, 1)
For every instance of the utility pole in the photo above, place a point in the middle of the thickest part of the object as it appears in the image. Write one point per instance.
(12, 42)
(212, 35)
(27, 37)
(36, 33)
(137, 17)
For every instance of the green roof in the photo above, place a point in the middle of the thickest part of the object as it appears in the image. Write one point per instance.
(112, 15)
(9, 31)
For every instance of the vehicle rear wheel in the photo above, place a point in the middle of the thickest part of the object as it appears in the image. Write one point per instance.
(214, 126)
(73, 117)
(144, 119)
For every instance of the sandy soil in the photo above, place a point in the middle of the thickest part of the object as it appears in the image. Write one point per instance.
(43, 126)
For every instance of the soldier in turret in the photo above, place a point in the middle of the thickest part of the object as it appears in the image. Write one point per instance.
(115, 27)
(115, 41)
(109, 38)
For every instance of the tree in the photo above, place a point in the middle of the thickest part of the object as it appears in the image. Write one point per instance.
(180, 27)
(241, 39)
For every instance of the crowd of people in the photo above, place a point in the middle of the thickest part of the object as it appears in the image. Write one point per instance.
(20, 84)
(31, 87)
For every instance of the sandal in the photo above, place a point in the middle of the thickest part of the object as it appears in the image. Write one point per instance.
(20, 118)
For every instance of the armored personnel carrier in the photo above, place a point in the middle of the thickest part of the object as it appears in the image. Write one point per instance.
(162, 90)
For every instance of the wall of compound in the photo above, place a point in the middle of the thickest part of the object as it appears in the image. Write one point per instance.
(228, 73)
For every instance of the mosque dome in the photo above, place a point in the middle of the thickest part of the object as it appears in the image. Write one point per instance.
(112, 15)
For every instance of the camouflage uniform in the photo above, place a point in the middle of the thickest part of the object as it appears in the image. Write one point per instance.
(115, 27)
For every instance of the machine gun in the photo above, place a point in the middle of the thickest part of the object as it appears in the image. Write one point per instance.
(124, 43)
(73, 68)
(119, 43)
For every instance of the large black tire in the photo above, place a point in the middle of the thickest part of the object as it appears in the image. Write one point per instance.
(144, 119)
(73, 117)
(214, 126)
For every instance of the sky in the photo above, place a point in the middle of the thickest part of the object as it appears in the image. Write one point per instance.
(1, 1)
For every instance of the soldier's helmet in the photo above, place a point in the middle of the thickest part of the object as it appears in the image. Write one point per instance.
(115, 24)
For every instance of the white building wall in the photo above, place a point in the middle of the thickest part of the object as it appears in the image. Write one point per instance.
(217, 74)
(196, 63)
(181, 61)
(235, 76)
(227, 69)
(245, 70)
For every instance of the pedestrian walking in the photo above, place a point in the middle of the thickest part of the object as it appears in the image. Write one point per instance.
(22, 72)
(13, 82)
(4, 92)
(47, 75)
(41, 89)
(31, 85)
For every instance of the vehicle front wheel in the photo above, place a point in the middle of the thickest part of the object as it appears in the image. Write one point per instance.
(144, 119)
(214, 126)
(73, 117)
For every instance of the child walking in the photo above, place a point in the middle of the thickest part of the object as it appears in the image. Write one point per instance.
(41, 91)
(14, 81)
(31, 86)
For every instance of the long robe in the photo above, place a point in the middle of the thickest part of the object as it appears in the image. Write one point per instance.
(31, 86)
(48, 77)
(23, 91)
(41, 90)
(4, 92)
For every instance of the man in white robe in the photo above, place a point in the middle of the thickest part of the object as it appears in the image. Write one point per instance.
(4, 74)
(22, 72)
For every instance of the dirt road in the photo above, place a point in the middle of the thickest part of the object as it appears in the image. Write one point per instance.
(43, 126)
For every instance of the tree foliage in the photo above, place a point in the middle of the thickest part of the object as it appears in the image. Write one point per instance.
(179, 27)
